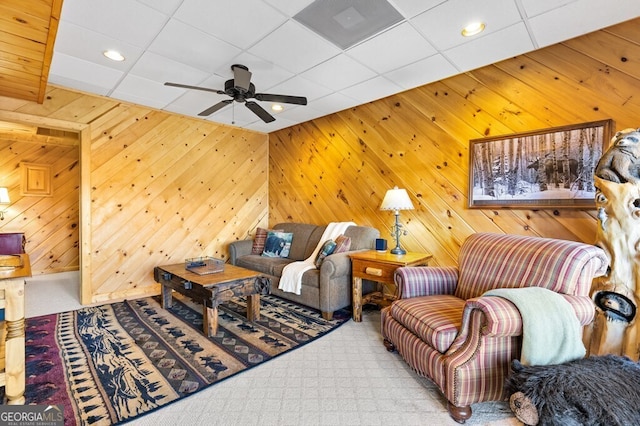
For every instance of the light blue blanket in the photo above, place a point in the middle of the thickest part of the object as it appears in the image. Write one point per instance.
(551, 332)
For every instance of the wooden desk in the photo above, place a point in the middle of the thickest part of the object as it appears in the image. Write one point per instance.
(13, 270)
(379, 267)
(210, 290)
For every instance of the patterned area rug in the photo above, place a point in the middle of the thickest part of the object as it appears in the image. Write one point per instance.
(111, 363)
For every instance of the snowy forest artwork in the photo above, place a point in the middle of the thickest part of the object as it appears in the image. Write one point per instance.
(551, 168)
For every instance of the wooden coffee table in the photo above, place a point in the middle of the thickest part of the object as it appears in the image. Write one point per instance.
(210, 289)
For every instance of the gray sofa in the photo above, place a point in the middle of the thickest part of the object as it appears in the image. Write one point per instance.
(326, 289)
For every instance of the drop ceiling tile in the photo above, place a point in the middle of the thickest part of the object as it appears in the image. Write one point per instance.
(119, 19)
(410, 8)
(443, 24)
(144, 92)
(494, 47)
(298, 86)
(536, 7)
(87, 45)
(370, 90)
(392, 49)
(298, 114)
(428, 70)
(333, 103)
(580, 17)
(241, 23)
(289, 7)
(338, 72)
(79, 74)
(168, 7)
(159, 68)
(188, 45)
(279, 47)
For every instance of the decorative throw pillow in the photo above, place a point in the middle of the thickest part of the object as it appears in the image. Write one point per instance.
(342, 244)
(277, 244)
(259, 240)
(327, 248)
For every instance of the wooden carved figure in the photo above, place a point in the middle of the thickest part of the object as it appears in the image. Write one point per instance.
(617, 179)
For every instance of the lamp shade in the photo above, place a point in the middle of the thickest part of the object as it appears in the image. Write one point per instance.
(4, 196)
(396, 199)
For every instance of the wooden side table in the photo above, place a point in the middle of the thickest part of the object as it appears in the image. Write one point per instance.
(379, 267)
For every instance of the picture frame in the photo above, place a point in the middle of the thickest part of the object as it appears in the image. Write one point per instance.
(547, 168)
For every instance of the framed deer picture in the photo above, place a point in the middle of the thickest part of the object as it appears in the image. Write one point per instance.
(550, 168)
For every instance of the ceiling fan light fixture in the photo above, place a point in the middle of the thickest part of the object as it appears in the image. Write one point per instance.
(473, 28)
(277, 107)
(114, 55)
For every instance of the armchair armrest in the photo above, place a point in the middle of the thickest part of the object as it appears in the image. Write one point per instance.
(502, 318)
(239, 248)
(418, 281)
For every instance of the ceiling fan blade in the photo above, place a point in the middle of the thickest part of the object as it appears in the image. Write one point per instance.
(241, 77)
(215, 107)
(269, 97)
(186, 86)
(259, 111)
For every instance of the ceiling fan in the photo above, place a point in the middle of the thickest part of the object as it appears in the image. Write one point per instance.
(241, 89)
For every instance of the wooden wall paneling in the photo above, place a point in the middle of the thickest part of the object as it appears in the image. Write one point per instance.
(419, 139)
(610, 49)
(525, 96)
(627, 30)
(514, 117)
(113, 246)
(558, 90)
(330, 161)
(607, 87)
(180, 229)
(56, 98)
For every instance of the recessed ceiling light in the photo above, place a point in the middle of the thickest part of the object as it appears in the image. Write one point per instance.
(473, 29)
(277, 107)
(113, 55)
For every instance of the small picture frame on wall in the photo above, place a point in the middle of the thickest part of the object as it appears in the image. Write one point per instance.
(549, 168)
(36, 180)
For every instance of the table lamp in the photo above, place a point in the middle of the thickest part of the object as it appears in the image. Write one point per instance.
(397, 199)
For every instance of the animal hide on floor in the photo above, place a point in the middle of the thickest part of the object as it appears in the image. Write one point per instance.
(598, 390)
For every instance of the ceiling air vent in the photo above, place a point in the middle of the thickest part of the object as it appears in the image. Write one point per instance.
(346, 23)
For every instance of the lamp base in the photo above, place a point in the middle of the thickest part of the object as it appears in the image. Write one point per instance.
(398, 250)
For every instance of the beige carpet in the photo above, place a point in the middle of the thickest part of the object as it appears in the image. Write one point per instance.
(345, 378)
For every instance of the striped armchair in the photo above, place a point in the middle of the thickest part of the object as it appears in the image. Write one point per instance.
(447, 331)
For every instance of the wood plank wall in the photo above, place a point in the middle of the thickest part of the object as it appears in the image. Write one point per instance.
(162, 188)
(50, 224)
(339, 167)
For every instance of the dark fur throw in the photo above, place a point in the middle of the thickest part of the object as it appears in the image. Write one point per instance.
(598, 390)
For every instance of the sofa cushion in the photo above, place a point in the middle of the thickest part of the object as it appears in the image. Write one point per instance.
(434, 319)
(277, 244)
(304, 235)
(343, 244)
(259, 240)
(266, 265)
(327, 248)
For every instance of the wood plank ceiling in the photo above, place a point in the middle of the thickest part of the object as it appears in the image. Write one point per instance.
(27, 35)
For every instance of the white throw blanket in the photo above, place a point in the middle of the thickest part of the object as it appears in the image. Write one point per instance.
(551, 332)
(291, 279)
